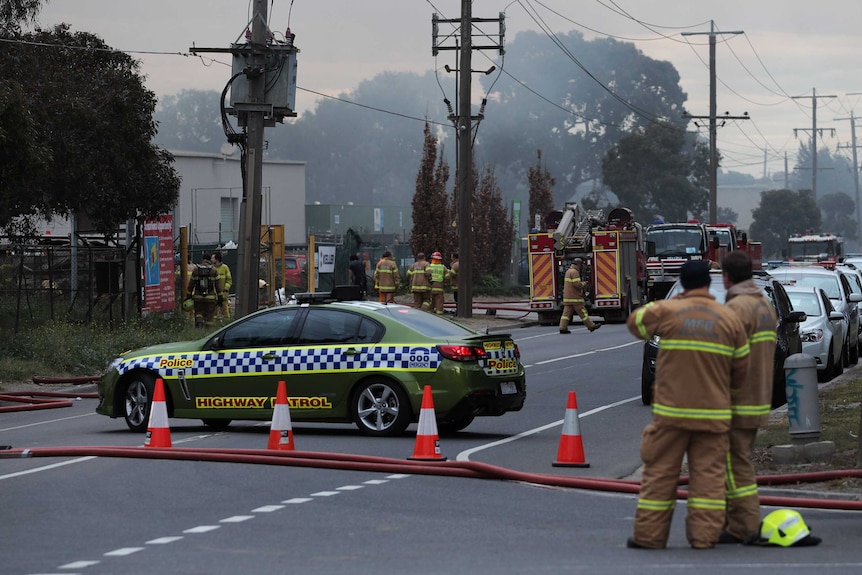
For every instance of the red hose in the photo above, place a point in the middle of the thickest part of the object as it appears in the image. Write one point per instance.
(73, 380)
(466, 469)
(32, 401)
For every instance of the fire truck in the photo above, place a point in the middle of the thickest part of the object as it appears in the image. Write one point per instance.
(614, 270)
(725, 237)
(816, 248)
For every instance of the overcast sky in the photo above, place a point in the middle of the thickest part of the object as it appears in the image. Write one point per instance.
(790, 48)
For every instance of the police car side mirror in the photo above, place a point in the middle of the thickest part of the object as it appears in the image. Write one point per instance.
(796, 317)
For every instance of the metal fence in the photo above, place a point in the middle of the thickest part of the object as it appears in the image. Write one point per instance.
(47, 279)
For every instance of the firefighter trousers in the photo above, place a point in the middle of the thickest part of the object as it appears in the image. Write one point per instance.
(422, 300)
(662, 451)
(576, 308)
(743, 507)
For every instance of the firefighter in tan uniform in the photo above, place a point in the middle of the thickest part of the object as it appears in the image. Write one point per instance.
(419, 284)
(386, 278)
(438, 277)
(205, 289)
(752, 401)
(573, 299)
(703, 353)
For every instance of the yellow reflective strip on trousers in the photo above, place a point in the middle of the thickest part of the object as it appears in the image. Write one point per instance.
(655, 505)
(750, 409)
(741, 492)
(575, 300)
(704, 503)
(691, 413)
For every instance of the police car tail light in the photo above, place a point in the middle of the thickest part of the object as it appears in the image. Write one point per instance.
(462, 352)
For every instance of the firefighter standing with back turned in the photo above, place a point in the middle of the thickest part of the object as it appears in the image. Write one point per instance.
(438, 276)
(751, 403)
(205, 289)
(419, 284)
(386, 278)
(573, 299)
(703, 355)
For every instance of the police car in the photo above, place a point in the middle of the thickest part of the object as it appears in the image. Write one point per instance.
(342, 361)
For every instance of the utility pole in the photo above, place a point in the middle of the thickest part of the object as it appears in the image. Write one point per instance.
(814, 97)
(261, 95)
(853, 146)
(713, 128)
(464, 134)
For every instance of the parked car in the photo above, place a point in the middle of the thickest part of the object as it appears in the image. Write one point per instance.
(788, 341)
(822, 331)
(836, 284)
(342, 361)
(295, 270)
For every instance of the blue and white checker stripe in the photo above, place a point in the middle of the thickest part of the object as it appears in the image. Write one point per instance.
(287, 360)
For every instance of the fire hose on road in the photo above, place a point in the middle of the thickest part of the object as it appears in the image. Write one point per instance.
(465, 469)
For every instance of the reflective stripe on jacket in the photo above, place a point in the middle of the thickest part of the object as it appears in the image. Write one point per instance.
(573, 288)
(417, 278)
(437, 275)
(703, 355)
(386, 276)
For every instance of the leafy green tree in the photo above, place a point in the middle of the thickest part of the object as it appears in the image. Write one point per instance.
(727, 215)
(546, 100)
(13, 13)
(780, 214)
(90, 127)
(492, 229)
(653, 173)
(838, 210)
(834, 173)
(541, 190)
(431, 217)
(190, 121)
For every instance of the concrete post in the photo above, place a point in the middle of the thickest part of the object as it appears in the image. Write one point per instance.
(803, 402)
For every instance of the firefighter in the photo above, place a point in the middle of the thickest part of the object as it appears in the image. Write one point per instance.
(453, 276)
(227, 281)
(438, 277)
(419, 284)
(573, 299)
(752, 403)
(703, 355)
(205, 290)
(386, 278)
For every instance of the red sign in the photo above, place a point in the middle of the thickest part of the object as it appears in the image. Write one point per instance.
(157, 246)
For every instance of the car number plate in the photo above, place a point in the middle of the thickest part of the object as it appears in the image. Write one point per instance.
(508, 388)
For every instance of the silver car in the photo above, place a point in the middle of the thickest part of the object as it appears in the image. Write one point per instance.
(837, 287)
(822, 331)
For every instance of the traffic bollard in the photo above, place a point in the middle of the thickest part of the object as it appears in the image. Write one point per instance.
(803, 401)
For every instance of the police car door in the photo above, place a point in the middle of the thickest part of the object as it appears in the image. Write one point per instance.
(236, 375)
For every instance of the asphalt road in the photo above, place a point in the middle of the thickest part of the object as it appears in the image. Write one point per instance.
(106, 515)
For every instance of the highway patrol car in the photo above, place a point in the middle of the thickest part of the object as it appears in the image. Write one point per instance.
(342, 361)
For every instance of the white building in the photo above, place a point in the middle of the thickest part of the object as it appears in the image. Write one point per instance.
(210, 197)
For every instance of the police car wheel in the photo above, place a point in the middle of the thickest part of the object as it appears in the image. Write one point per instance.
(217, 423)
(380, 407)
(138, 399)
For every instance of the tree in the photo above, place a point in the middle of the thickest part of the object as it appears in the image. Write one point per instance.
(431, 217)
(653, 173)
(780, 214)
(191, 121)
(89, 126)
(838, 209)
(574, 109)
(727, 215)
(541, 190)
(492, 229)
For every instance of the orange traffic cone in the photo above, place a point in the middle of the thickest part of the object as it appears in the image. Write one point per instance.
(427, 441)
(571, 450)
(281, 433)
(158, 431)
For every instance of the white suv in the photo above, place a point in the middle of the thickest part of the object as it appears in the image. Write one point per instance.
(836, 284)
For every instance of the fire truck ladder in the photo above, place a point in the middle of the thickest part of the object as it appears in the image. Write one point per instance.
(583, 234)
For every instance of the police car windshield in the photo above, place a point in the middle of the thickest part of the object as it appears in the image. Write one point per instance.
(426, 323)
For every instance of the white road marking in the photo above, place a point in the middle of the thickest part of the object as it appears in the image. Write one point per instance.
(236, 519)
(324, 493)
(45, 422)
(47, 467)
(398, 476)
(465, 455)
(202, 529)
(164, 540)
(350, 487)
(376, 481)
(78, 564)
(122, 552)
(298, 500)
(267, 509)
(585, 353)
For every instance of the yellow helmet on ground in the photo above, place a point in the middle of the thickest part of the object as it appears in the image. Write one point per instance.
(784, 527)
(188, 305)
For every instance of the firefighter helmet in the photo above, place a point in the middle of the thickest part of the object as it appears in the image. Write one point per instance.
(578, 262)
(436, 256)
(783, 527)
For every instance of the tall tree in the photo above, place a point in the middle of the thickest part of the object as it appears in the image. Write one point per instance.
(654, 173)
(541, 190)
(190, 121)
(838, 209)
(431, 218)
(91, 123)
(780, 214)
